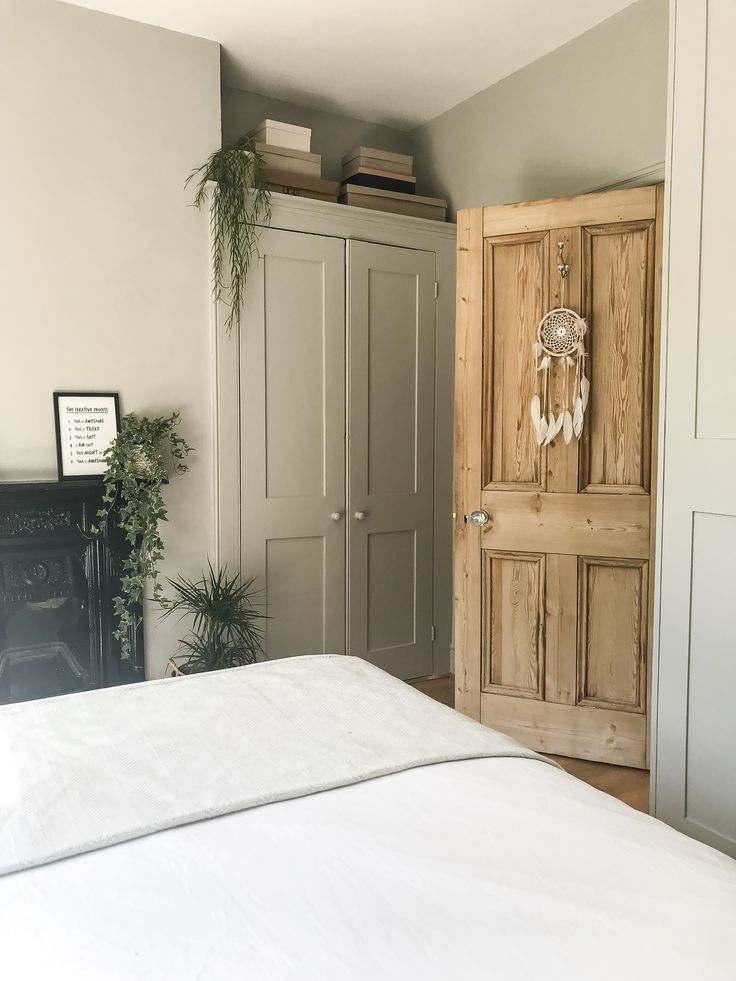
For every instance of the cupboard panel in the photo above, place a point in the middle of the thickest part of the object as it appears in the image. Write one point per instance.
(295, 454)
(292, 424)
(391, 317)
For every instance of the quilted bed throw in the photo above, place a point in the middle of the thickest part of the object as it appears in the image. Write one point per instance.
(84, 771)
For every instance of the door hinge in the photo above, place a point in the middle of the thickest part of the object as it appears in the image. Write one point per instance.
(434, 633)
(436, 290)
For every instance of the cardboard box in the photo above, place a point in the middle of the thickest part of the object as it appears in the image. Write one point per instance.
(290, 161)
(373, 158)
(282, 134)
(398, 204)
(301, 185)
(385, 180)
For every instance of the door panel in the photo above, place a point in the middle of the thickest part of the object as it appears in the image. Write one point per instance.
(391, 378)
(618, 299)
(292, 398)
(612, 634)
(513, 622)
(295, 455)
(552, 594)
(391, 590)
(516, 280)
(295, 588)
(391, 456)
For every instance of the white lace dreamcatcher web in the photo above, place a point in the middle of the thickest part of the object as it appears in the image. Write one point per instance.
(560, 340)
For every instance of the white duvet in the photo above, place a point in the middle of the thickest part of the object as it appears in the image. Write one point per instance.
(479, 869)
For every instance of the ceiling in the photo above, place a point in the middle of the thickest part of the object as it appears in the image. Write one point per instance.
(397, 62)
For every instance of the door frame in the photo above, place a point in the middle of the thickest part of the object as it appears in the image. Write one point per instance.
(472, 222)
(296, 214)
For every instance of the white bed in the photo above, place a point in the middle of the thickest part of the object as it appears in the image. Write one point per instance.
(503, 868)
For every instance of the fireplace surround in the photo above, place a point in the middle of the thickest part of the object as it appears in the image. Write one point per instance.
(57, 582)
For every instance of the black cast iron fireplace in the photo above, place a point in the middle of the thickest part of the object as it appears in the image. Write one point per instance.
(57, 582)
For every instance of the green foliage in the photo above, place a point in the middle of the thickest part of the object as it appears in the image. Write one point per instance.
(239, 204)
(226, 627)
(137, 468)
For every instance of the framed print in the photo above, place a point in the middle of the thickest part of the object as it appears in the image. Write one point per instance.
(86, 424)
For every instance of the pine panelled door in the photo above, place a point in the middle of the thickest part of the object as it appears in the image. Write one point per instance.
(553, 593)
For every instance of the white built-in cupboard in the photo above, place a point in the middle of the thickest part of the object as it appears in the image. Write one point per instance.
(694, 699)
(334, 435)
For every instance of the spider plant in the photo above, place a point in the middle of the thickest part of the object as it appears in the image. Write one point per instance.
(226, 629)
(239, 205)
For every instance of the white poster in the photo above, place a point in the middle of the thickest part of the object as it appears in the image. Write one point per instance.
(86, 424)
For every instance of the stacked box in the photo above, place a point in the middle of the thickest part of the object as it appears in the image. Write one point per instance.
(392, 201)
(289, 165)
(400, 164)
(285, 135)
(383, 180)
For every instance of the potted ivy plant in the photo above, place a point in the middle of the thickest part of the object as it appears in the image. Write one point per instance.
(138, 464)
(239, 205)
(226, 624)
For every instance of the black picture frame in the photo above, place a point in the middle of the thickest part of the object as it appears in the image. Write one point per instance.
(96, 468)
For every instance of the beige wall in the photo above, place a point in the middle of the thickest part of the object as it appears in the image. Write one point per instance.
(584, 116)
(333, 135)
(103, 267)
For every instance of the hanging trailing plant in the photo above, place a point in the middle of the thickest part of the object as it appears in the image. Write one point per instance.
(138, 463)
(239, 205)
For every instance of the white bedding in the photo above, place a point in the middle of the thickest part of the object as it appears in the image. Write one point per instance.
(502, 869)
(498, 868)
(82, 772)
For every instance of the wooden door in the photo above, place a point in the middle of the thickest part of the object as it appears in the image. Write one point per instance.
(391, 317)
(552, 595)
(292, 407)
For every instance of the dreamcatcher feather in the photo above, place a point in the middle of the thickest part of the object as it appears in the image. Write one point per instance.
(560, 341)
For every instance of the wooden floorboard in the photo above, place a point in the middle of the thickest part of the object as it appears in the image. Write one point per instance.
(622, 782)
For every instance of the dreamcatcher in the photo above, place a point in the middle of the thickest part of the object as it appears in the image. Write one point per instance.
(560, 340)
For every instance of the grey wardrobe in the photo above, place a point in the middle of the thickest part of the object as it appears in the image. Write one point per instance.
(343, 436)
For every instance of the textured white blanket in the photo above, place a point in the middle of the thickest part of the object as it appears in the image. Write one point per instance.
(80, 772)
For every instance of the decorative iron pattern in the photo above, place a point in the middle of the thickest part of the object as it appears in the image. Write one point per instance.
(57, 581)
(36, 522)
(41, 577)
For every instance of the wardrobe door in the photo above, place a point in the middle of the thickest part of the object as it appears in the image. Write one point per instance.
(292, 404)
(391, 318)
(695, 726)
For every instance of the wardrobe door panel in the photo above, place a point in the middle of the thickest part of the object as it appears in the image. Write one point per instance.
(391, 316)
(695, 735)
(292, 405)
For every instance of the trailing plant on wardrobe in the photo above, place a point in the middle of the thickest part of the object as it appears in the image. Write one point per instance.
(239, 205)
(139, 462)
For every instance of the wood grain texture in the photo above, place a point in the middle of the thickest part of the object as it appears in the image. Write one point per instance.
(593, 734)
(602, 207)
(655, 448)
(516, 277)
(564, 651)
(617, 303)
(561, 629)
(569, 524)
(513, 622)
(622, 782)
(612, 633)
(561, 459)
(468, 378)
